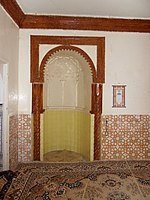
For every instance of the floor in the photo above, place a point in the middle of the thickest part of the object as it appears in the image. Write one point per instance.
(97, 180)
(62, 156)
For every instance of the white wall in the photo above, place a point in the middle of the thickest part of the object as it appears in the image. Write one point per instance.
(127, 62)
(1, 83)
(9, 50)
(1, 90)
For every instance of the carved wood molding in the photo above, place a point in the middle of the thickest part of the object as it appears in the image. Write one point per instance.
(86, 23)
(99, 42)
(37, 79)
(13, 9)
(37, 106)
(73, 22)
(97, 93)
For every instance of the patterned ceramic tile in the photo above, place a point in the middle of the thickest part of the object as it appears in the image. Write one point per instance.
(13, 141)
(24, 138)
(1, 132)
(125, 137)
(1, 118)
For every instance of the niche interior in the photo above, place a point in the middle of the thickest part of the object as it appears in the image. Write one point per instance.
(66, 92)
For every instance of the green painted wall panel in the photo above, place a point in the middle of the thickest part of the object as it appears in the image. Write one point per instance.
(67, 129)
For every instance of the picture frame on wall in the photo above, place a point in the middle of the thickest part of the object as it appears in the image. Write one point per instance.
(119, 96)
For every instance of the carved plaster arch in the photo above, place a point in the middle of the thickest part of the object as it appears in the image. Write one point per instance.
(64, 57)
(67, 48)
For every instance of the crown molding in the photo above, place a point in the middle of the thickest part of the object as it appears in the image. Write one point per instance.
(73, 22)
(86, 23)
(13, 9)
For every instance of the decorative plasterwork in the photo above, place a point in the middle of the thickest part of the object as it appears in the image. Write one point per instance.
(69, 70)
(69, 53)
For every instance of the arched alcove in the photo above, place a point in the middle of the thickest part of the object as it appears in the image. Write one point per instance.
(67, 81)
(37, 78)
(67, 102)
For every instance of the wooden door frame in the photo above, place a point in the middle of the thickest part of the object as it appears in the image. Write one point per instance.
(37, 83)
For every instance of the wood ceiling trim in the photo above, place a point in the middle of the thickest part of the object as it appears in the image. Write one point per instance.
(86, 23)
(37, 40)
(13, 9)
(73, 23)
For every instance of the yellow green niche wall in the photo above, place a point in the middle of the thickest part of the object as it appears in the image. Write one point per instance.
(67, 129)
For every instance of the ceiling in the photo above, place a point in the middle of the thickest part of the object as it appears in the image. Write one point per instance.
(134, 9)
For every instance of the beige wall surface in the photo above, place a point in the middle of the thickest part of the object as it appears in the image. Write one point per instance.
(9, 51)
(1, 82)
(127, 62)
(67, 129)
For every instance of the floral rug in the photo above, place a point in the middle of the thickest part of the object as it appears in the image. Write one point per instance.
(98, 180)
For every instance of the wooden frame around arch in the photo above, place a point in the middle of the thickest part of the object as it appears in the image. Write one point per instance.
(71, 48)
(37, 79)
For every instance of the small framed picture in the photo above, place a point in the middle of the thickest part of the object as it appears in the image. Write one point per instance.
(119, 96)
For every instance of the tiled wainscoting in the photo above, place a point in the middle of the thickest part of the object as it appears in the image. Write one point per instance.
(19, 139)
(13, 141)
(24, 138)
(1, 132)
(123, 137)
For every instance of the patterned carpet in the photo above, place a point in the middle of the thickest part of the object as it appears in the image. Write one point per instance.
(98, 180)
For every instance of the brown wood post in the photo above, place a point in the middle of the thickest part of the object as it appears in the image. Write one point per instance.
(97, 110)
(37, 93)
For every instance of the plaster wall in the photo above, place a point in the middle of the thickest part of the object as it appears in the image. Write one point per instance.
(1, 83)
(9, 51)
(127, 62)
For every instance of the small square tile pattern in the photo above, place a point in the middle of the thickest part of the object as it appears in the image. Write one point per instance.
(1, 118)
(24, 137)
(13, 141)
(125, 137)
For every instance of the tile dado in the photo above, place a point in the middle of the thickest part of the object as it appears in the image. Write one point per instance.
(13, 141)
(24, 137)
(1, 119)
(125, 137)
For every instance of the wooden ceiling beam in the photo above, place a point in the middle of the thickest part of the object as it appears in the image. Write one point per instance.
(13, 9)
(86, 23)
